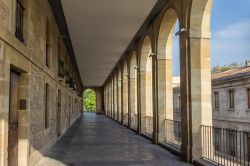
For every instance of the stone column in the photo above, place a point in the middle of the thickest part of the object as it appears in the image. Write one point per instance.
(195, 92)
(138, 102)
(122, 117)
(133, 99)
(110, 100)
(119, 99)
(155, 134)
(129, 103)
(115, 99)
(142, 102)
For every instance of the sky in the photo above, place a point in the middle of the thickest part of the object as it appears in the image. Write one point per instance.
(230, 34)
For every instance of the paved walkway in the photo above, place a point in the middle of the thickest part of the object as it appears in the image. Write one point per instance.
(95, 140)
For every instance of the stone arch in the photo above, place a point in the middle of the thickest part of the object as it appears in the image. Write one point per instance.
(166, 33)
(92, 108)
(146, 86)
(165, 75)
(200, 13)
(99, 98)
(133, 90)
(197, 93)
(125, 75)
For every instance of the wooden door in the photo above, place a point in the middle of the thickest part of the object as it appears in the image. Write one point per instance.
(13, 119)
(59, 114)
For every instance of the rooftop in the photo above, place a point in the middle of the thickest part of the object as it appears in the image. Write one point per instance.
(240, 71)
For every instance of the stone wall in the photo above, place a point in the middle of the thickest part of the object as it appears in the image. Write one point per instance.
(28, 58)
(239, 117)
(224, 117)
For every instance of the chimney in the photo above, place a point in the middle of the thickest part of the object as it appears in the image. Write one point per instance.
(247, 63)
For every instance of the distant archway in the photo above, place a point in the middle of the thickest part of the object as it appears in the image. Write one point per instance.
(89, 100)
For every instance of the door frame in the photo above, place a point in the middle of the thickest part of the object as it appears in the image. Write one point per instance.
(17, 74)
(23, 116)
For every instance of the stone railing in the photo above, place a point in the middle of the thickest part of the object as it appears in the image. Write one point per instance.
(173, 132)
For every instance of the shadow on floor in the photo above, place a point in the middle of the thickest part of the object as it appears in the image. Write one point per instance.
(95, 140)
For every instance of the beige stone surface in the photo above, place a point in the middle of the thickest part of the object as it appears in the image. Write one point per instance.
(155, 84)
(27, 58)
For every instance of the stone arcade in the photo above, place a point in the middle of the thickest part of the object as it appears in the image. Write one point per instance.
(42, 77)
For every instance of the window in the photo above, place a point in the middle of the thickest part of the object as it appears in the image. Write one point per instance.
(231, 99)
(47, 56)
(46, 115)
(248, 98)
(19, 20)
(216, 100)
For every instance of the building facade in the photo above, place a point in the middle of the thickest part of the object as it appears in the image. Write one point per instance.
(231, 113)
(40, 90)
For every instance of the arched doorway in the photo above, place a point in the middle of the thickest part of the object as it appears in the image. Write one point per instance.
(89, 100)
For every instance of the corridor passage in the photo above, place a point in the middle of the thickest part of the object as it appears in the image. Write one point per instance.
(97, 140)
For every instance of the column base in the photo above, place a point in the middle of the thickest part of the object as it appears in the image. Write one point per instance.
(186, 153)
(155, 137)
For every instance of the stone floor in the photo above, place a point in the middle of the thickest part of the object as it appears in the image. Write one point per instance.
(95, 140)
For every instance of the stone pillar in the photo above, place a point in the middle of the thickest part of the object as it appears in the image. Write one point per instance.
(142, 102)
(122, 117)
(155, 134)
(125, 97)
(119, 99)
(195, 93)
(112, 98)
(129, 102)
(109, 99)
(99, 100)
(133, 100)
(115, 98)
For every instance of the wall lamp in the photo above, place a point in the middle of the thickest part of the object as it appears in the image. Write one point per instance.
(136, 67)
(151, 54)
(180, 31)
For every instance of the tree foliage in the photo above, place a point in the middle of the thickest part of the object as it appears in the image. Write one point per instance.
(218, 68)
(89, 100)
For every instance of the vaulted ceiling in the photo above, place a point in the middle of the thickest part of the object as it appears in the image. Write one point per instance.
(100, 31)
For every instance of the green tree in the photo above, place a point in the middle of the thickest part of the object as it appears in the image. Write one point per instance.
(89, 100)
(218, 68)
